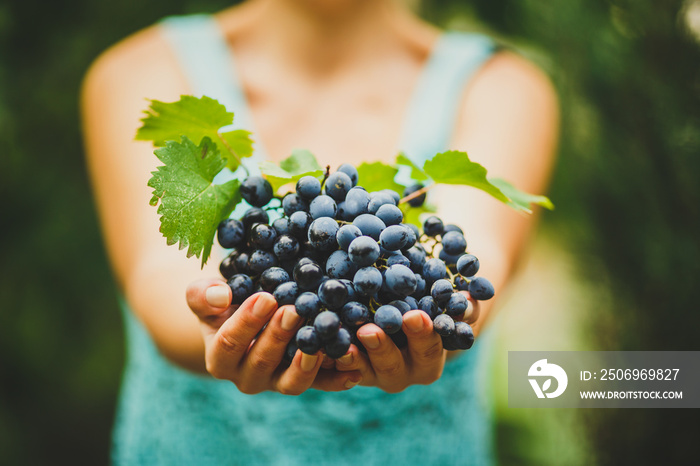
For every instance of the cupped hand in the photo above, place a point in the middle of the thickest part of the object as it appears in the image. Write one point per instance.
(246, 344)
(393, 369)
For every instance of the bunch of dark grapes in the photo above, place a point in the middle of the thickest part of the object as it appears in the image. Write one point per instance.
(343, 258)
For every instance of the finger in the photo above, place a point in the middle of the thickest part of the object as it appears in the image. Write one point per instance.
(473, 311)
(328, 363)
(209, 299)
(386, 359)
(330, 380)
(355, 360)
(298, 377)
(424, 347)
(226, 348)
(267, 351)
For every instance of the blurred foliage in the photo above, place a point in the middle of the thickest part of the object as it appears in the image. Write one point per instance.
(626, 190)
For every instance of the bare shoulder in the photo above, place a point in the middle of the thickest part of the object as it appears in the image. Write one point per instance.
(509, 96)
(141, 65)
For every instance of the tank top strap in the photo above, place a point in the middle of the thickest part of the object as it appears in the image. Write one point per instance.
(210, 69)
(433, 109)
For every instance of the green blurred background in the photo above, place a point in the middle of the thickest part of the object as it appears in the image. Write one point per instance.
(614, 267)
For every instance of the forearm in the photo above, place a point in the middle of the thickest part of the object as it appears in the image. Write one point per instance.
(155, 290)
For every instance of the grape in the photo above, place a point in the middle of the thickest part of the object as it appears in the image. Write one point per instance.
(254, 215)
(307, 340)
(350, 171)
(354, 314)
(230, 233)
(308, 275)
(453, 243)
(416, 255)
(299, 224)
(368, 281)
(308, 187)
(262, 236)
(427, 304)
(378, 199)
(346, 234)
(241, 287)
(286, 247)
(291, 351)
(441, 291)
(433, 270)
(256, 191)
(337, 186)
(411, 301)
(323, 206)
(363, 251)
(390, 214)
(433, 226)
(327, 325)
(463, 336)
(461, 284)
(452, 227)
(377, 268)
(481, 289)
(402, 306)
(337, 346)
(333, 293)
(294, 203)
(357, 202)
(393, 238)
(398, 259)
(369, 225)
(307, 305)
(281, 226)
(401, 280)
(416, 201)
(273, 277)
(286, 293)
(388, 318)
(322, 234)
(260, 260)
(339, 265)
(468, 265)
(456, 305)
(444, 325)
(241, 262)
(228, 265)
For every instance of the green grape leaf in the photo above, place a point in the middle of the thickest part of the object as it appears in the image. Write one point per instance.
(417, 173)
(414, 215)
(521, 200)
(377, 176)
(190, 116)
(300, 163)
(191, 206)
(240, 143)
(454, 167)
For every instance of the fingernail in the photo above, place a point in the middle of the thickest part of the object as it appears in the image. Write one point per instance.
(349, 383)
(262, 307)
(414, 322)
(346, 360)
(308, 362)
(370, 340)
(470, 310)
(290, 319)
(217, 296)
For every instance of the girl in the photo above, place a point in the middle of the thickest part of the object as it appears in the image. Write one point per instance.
(350, 80)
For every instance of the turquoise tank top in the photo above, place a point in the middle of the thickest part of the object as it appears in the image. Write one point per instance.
(169, 416)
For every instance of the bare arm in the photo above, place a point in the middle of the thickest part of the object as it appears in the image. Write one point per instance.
(509, 122)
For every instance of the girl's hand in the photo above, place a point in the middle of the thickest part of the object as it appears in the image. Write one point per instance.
(393, 369)
(246, 344)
